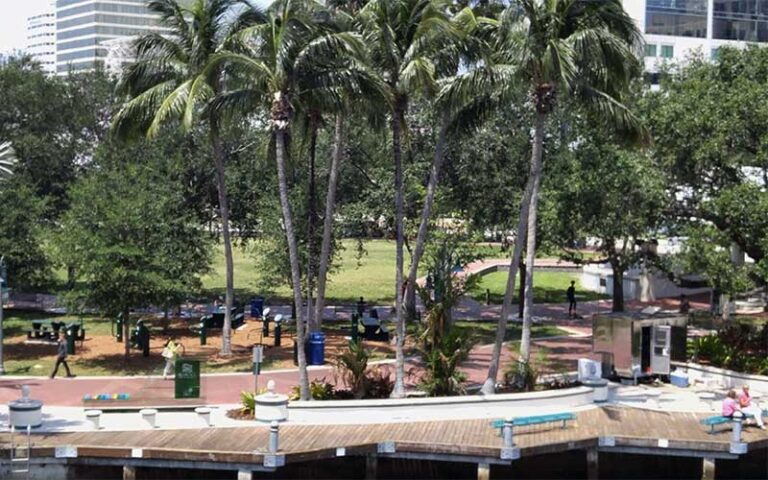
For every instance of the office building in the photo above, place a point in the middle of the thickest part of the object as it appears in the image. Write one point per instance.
(82, 27)
(676, 29)
(41, 38)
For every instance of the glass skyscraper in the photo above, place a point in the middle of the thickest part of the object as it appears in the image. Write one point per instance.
(83, 25)
(676, 29)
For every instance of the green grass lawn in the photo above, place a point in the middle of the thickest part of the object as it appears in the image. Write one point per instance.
(372, 276)
(549, 287)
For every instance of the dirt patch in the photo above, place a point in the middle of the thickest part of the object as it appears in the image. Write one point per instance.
(102, 354)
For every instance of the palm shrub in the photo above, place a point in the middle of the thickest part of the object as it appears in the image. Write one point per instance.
(352, 367)
(441, 362)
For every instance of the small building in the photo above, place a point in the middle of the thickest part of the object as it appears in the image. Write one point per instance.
(634, 345)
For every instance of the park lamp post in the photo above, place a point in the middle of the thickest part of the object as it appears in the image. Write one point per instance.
(3, 289)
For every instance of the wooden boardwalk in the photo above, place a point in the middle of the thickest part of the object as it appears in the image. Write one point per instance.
(607, 428)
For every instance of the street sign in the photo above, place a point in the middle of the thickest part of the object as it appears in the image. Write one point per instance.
(258, 358)
(187, 381)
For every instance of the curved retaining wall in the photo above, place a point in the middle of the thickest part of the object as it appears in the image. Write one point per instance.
(722, 377)
(440, 408)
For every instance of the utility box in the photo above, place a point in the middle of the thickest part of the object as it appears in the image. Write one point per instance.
(639, 345)
(187, 379)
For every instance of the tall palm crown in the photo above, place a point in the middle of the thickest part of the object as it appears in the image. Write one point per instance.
(170, 79)
(297, 59)
(583, 48)
(405, 39)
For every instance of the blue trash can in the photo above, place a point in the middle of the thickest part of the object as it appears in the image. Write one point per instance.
(257, 306)
(316, 348)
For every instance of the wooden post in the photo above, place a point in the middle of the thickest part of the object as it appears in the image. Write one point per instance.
(483, 471)
(371, 466)
(129, 473)
(707, 469)
(593, 464)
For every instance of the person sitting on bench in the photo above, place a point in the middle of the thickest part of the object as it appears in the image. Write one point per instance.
(750, 407)
(731, 408)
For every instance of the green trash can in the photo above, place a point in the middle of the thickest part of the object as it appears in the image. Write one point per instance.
(203, 333)
(71, 334)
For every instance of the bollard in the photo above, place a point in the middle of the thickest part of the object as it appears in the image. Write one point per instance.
(353, 331)
(204, 413)
(278, 333)
(487, 296)
(94, 416)
(203, 334)
(507, 434)
(150, 416)
(265, 329)
(736, 430)
(273, 437)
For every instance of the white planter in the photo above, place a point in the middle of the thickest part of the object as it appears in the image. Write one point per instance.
(441, 408)
(25, 412)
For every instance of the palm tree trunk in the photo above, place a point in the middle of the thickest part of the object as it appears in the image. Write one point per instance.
(312, 322)
(293, 255)
(489, 386)
(618, 287)
(218, 158)
(330, 208)
(530, 248)
(126, 334)
(426, 212)
(398, 118)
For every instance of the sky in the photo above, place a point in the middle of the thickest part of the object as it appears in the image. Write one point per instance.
(13, 21)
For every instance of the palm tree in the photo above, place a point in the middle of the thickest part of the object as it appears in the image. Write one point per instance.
(582, 50)
(7, 160)
(453, 113)
(170, 82)
(404, 36)
(289, 64)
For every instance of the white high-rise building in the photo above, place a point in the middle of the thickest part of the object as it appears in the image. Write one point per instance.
(83, 25)
(41, 38)
(676, 29)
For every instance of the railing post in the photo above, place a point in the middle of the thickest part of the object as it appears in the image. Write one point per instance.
(736, 430)
(507, 434)
(274, 430)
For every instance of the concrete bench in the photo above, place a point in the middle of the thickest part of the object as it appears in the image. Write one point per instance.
(535, 420)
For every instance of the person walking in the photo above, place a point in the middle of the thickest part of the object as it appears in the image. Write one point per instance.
(170, 354)
(61, 356)
(571, 294)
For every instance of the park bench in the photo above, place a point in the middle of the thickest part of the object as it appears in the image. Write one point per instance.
(563, 417)
(716, 420)
(45, 330)
(374, 330)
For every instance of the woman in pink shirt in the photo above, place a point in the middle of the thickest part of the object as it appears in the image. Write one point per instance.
(750, 407)
(731, 407)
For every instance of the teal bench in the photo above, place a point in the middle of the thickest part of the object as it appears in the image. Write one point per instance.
(712, 422)
(535, 420)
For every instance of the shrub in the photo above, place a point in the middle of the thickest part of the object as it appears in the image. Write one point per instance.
(352, 367)
(318, 390)
(248, 401)
(442, 376)
(521, 376)
(379, 383)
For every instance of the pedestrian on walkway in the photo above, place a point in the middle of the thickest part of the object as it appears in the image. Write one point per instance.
(61, 356)
(170, 354)
(571, 294)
